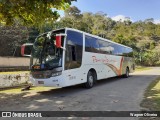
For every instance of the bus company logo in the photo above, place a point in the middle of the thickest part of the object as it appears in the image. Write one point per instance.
(6, 114)
(105, 60)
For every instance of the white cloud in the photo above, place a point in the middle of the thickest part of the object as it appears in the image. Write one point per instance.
(157, 21)
(121, 18)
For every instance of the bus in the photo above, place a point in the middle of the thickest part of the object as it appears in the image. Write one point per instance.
(67, 57)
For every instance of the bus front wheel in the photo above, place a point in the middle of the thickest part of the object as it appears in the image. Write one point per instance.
(90, 80)
(126, 75)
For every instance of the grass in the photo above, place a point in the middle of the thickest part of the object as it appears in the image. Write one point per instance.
(152, 96)
(14, 72)
(141, 68)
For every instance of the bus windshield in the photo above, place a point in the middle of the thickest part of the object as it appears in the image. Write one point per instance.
(45, 55)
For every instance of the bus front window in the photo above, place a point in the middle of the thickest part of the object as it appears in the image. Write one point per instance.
(45, 55)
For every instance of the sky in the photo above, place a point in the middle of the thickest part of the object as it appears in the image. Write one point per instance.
(119, 9)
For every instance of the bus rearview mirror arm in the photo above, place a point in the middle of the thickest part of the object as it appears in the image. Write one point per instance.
(63, 48)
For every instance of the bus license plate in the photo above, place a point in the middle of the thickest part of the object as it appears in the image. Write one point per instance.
(40, 82)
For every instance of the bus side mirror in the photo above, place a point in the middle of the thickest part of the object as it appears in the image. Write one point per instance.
(58, 41)
(26, 49)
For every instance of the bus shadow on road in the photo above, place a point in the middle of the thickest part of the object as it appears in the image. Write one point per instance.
(111, 80)
(79, 88)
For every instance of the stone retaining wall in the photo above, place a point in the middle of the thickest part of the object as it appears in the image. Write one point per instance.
(11, 79)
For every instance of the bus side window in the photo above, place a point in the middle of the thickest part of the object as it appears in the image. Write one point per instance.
(74, 48)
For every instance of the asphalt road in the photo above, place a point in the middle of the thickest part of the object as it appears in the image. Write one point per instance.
(114, 94)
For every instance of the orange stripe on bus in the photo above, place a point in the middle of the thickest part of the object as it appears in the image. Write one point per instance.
(115, 69)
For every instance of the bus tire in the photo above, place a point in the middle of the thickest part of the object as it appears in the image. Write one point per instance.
(126, 75)
(90, 80)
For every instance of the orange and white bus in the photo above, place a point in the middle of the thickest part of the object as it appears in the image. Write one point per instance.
(67, 57)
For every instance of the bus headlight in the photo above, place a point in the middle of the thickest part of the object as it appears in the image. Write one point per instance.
(56, 74)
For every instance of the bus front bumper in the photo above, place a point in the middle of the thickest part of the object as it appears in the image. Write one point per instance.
(57, 81)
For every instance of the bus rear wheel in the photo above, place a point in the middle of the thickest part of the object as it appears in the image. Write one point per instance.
(90, 80)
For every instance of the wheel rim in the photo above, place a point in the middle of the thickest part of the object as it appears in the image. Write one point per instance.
(90, 80)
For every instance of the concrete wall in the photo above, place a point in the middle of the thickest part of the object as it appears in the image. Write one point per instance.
(14, 61)
(10, 79)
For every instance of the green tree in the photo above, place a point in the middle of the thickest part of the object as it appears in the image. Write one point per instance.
(30, 12)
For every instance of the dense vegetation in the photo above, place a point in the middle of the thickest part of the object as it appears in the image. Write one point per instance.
(142, 36)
